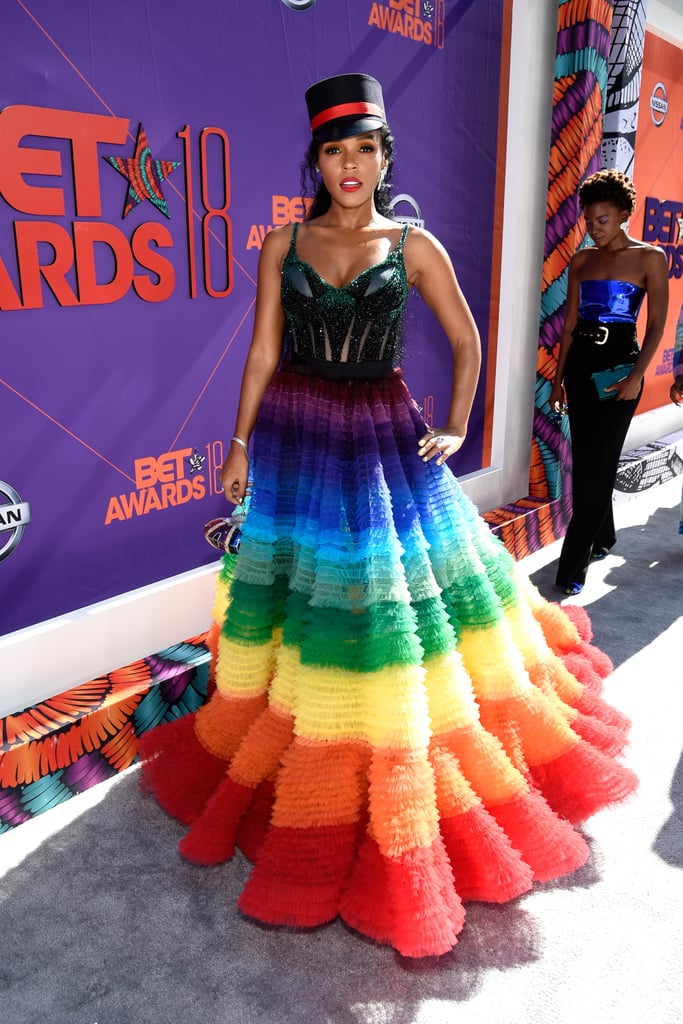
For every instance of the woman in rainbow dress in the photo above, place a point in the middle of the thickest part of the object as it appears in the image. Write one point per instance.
(399, 723)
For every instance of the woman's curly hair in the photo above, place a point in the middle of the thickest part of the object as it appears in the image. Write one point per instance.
(608, 186)
(312, 185)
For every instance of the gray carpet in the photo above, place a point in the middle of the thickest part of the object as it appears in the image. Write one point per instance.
(102, 923)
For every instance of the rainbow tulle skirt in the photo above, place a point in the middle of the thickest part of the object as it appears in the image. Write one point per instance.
(400, 723)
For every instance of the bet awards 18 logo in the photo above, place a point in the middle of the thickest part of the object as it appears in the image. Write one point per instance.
(170, 479)
(663, 226)
(92, 261)
(13, 519)
(422, 21)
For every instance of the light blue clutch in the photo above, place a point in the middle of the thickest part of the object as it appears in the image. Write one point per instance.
(605, 378)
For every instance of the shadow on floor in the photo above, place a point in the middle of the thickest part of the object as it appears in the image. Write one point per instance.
(105, 923)
(645, 599)
(669, 842)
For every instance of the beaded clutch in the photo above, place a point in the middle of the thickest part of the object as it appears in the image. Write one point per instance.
(225, 534)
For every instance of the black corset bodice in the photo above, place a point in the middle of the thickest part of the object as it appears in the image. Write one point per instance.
(357, 323)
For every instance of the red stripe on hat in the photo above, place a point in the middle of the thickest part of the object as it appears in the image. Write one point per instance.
(345, 110)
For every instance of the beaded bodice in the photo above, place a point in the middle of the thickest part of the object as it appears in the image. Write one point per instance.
(612, 301)
(357, 323)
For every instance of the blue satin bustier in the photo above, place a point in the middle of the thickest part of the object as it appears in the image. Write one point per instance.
(612, 301)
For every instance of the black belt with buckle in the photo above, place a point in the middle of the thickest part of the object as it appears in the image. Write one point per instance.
(599, 332)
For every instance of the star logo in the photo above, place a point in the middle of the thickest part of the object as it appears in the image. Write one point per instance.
(195, 461)
(144, 175)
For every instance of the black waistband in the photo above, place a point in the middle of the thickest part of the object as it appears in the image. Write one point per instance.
(367, 370)
(600, 331)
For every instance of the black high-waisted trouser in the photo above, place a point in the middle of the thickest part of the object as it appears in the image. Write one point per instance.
(598, 430)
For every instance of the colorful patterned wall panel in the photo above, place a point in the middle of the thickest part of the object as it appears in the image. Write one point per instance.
(583, 46)
(527, 525)
(654, 464)
(598, 65)
(70, 742)
(620, 119)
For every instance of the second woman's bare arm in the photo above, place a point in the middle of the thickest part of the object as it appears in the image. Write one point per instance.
(571, 314)
(657, 289)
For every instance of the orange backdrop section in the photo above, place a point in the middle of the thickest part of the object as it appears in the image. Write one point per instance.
(658, 177)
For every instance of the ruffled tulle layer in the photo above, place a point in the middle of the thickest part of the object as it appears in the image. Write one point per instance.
(400, 723)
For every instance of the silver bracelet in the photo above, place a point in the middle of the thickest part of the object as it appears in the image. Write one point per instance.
(241, 443)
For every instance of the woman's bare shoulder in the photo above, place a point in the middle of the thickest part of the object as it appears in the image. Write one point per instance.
(422, 247)
(583, 256)
(276, 244)
(278, 239)
(646, 251)
(648, 260)
(655, 264)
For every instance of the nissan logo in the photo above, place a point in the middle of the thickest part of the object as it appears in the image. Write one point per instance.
(659, 105)
(13, 518)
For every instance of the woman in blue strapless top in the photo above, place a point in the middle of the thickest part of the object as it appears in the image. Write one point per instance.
(600, 367)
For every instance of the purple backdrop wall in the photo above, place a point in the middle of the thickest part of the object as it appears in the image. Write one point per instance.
(122, 338)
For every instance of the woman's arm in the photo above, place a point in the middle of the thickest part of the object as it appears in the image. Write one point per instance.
(571, 315)
(262, 360)
(430, 270)
(657, 289)
(676, 390)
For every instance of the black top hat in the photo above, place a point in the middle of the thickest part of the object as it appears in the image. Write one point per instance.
(345, 105)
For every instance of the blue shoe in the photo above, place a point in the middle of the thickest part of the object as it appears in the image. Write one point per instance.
(680, 526)
(573, 589)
